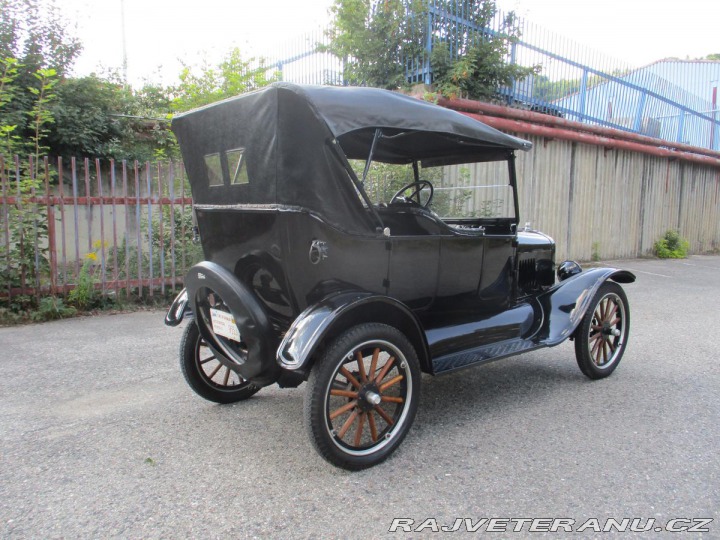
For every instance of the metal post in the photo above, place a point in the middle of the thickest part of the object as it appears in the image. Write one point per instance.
(171, 195)
(161, 248)
(637, 126)
(136, 174)
(52, 243)
(103, 258)
(681, 125)
(113, 194)
(151, 270)
(583, 95)
(428, 46)
(714, 126)
(513, 61)
(73, 169)
(62, 225)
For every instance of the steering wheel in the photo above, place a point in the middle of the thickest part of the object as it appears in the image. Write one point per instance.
(418, 187)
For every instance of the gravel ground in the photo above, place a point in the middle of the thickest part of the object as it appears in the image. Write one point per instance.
(100, 437)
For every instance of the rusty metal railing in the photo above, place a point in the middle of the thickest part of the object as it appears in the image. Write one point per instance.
(126, 226)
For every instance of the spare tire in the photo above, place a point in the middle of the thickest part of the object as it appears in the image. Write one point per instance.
(221, 301)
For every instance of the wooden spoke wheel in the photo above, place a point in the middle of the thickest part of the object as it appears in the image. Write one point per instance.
(362, 396)
(601, 338)
(208, 375)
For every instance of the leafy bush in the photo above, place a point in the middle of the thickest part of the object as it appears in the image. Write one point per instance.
(479, 72)
(52, 308)
(83, 295)
(672, 246)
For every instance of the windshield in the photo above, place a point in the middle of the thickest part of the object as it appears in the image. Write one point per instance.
(464, 191)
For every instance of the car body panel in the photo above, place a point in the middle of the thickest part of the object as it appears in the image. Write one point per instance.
(340, 311)
(566, 303)
(545, 321)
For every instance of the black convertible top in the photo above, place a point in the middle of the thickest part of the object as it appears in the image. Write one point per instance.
(353, 112)
(289, 137)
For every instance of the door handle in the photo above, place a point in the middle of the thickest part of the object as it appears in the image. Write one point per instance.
(318, 251)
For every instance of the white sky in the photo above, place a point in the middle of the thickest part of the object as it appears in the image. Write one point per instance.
(161, 32)
(635, 31)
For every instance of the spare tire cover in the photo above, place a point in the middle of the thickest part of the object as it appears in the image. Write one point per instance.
(254, 355)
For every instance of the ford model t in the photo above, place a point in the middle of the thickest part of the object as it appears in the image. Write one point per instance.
(355, 238)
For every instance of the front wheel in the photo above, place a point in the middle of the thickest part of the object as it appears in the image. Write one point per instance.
(206, 374)
(602, 336)
(362, 396)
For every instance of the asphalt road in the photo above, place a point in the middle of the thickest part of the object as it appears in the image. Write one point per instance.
(100, 436)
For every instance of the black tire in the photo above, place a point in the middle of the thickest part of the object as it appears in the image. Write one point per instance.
(602, 336)
(206, 375)
(368, 379)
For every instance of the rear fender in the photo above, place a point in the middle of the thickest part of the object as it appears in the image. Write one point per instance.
(178, 309)
(334, 314)
(565, 305)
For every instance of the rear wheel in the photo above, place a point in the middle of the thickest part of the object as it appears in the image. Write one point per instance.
(601, 338)
(362, 396)
(206, 374)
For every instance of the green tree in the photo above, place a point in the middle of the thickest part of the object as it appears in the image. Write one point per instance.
(84, 123)
(40, 114)
(378, 39)
(375, 37)
(27, 223)
(8, 122)
(231, 77)
(34, 33)
(103, 118)
(474, 64)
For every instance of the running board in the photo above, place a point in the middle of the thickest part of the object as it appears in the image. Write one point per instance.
(483, 354)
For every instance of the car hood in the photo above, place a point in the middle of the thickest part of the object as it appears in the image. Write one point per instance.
(534, 239)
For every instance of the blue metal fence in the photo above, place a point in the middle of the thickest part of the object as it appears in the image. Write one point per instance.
(673, 100)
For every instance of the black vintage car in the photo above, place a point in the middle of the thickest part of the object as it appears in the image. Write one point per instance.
(355, 238)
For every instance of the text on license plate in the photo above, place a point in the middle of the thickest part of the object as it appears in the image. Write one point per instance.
(223, 324)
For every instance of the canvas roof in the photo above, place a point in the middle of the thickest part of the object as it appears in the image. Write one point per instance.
(289, 135)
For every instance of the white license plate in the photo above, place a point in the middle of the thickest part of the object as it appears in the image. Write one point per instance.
(223, 324)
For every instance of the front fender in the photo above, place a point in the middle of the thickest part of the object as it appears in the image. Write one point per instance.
(338, 312)
(565, 305)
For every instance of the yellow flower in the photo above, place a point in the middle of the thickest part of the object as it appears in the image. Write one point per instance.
(91, 257)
